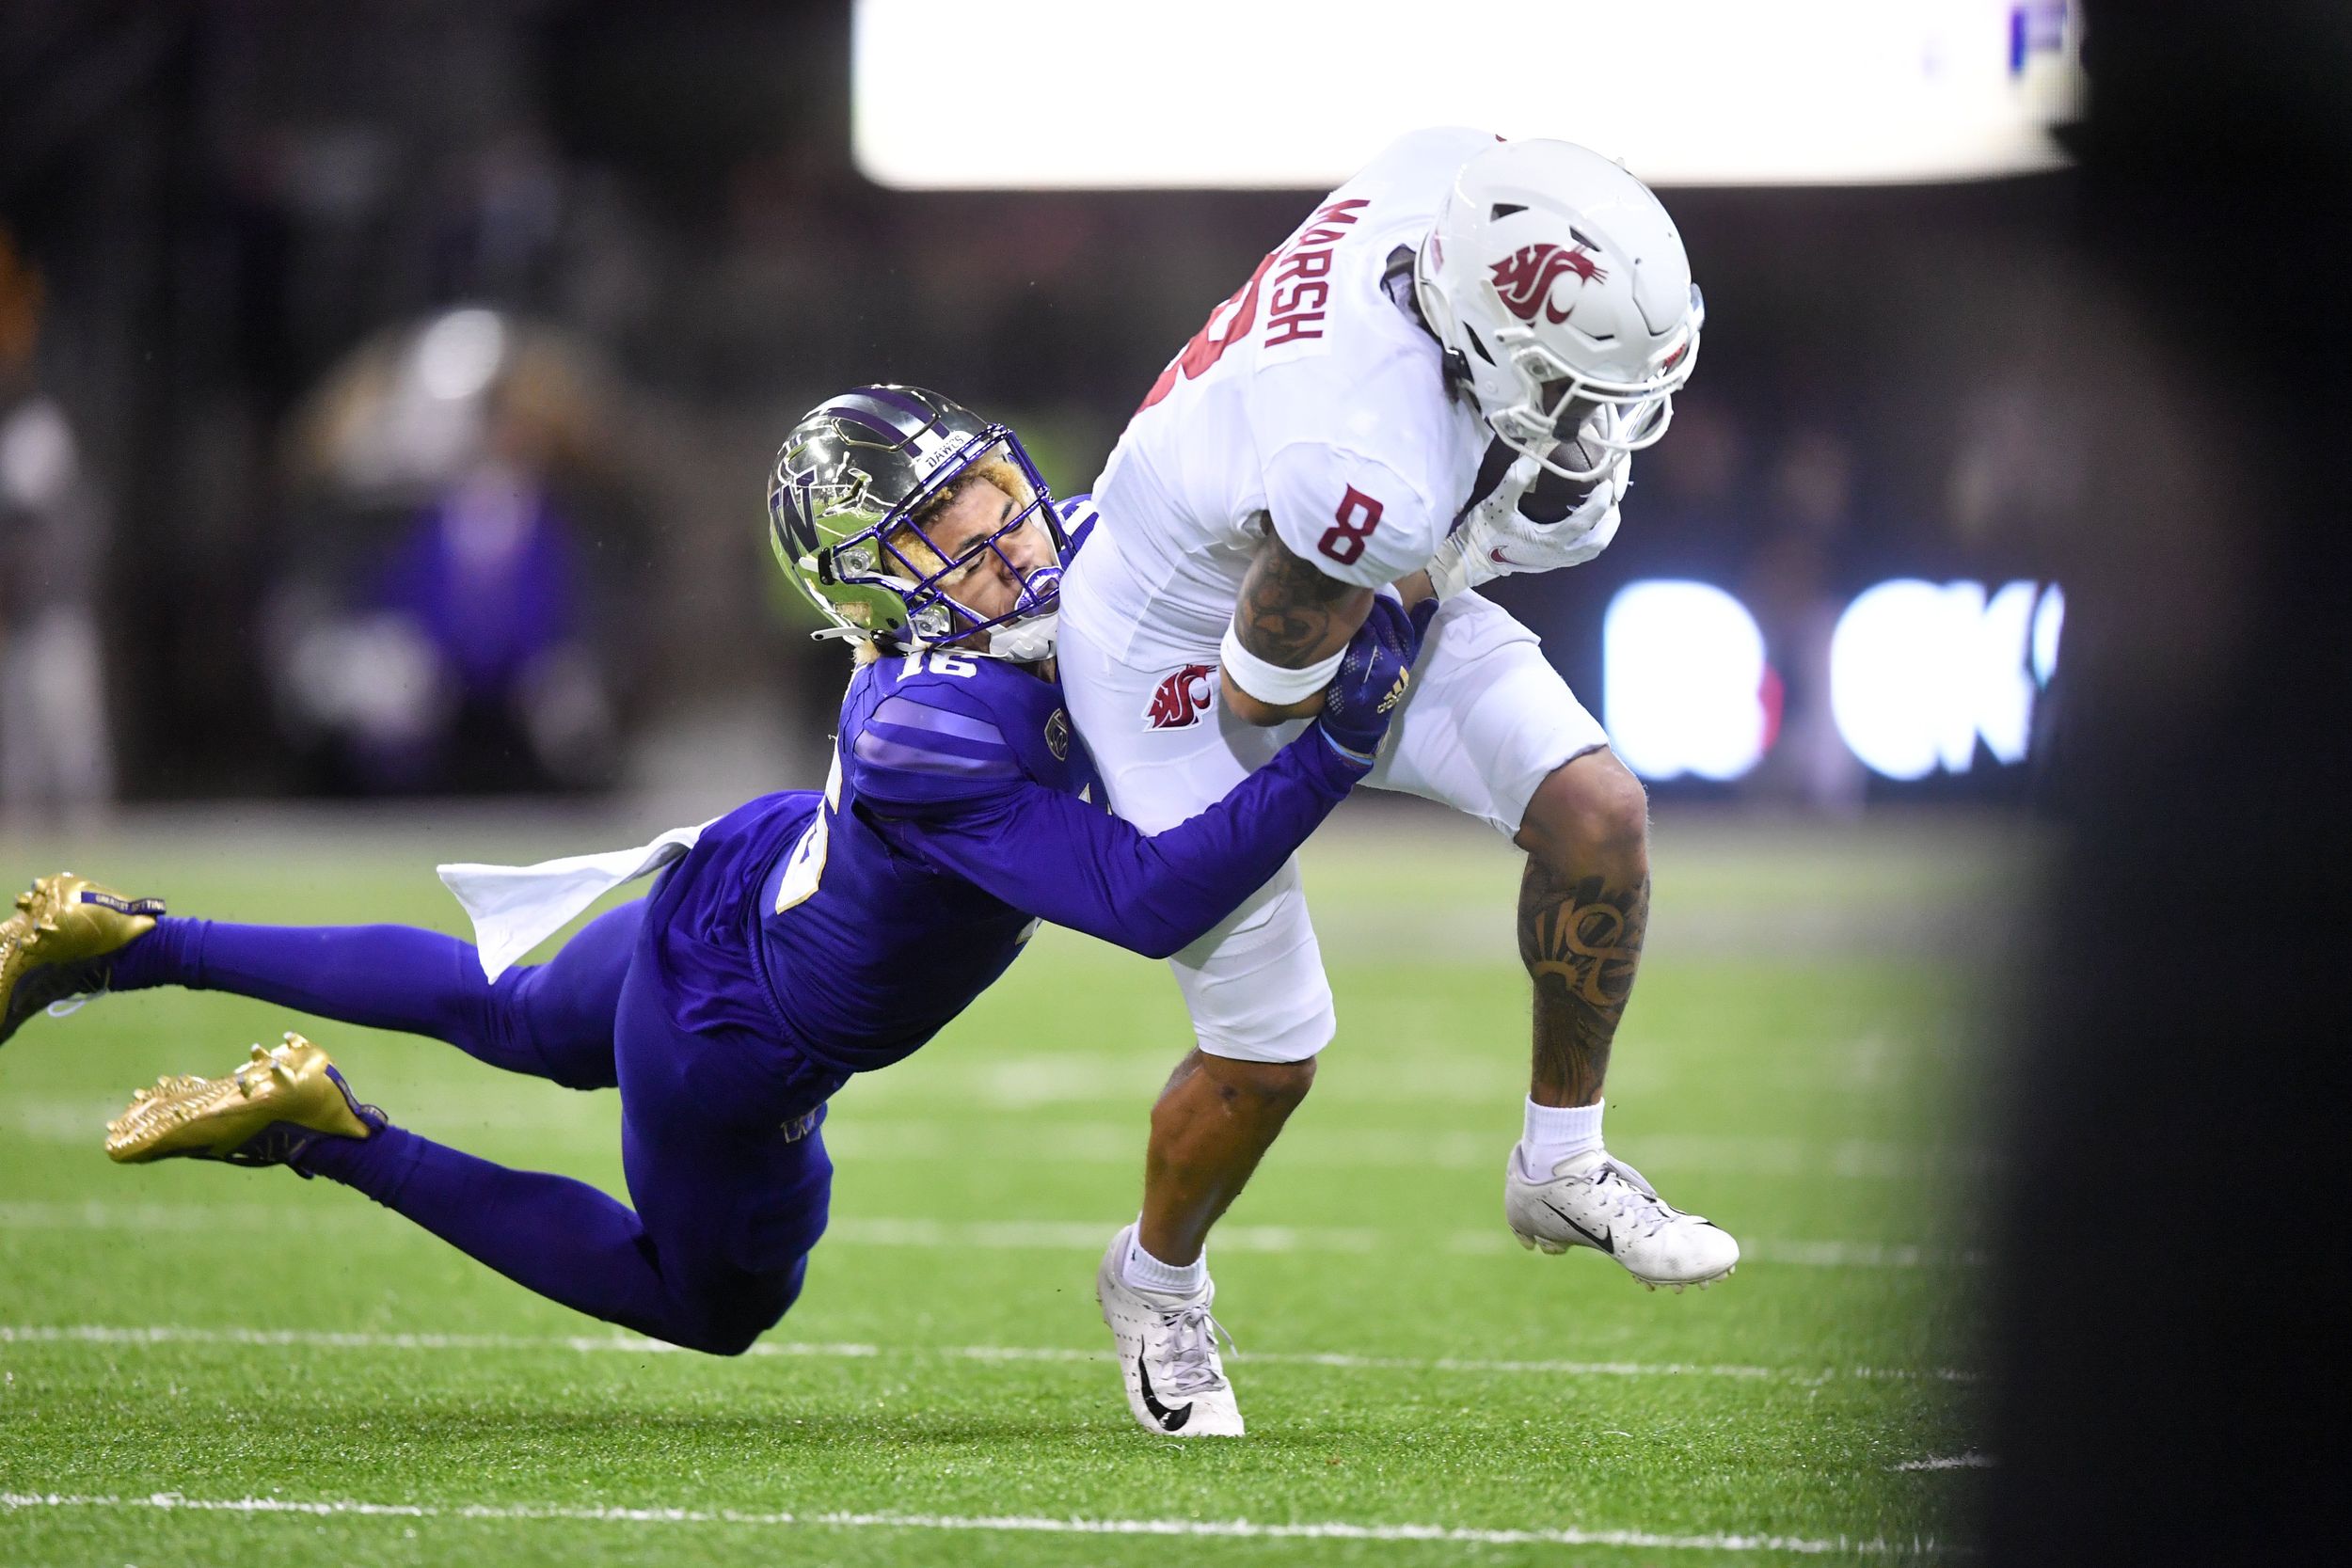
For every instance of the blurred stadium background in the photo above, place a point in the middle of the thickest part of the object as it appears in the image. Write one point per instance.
(387, 392)
(392, 385)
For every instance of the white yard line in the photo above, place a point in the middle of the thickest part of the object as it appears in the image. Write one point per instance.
(1861, 1254)
(1085, 1236)
(176, 1334)
(853, 1137)
(1000, 1524)
(1972, 1460)
(171, 1334)
(849, 1137)
(982, 1235)
(939, 1090)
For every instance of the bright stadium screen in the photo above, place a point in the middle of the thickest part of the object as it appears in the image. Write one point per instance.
(1299, 93)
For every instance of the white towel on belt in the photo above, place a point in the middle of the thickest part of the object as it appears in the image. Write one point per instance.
(516, 908)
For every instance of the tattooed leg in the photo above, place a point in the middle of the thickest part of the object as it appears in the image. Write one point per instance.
(1583, 911)
(1581, 945)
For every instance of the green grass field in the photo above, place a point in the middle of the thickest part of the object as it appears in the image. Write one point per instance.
(204, 1365)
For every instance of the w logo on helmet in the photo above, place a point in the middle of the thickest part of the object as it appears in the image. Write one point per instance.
(1180, 699)
(1523, 279)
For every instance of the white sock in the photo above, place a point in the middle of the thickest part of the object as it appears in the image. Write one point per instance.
(1146, 1273)
(1557, 1133)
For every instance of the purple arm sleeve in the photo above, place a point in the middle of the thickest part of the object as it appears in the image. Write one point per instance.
(1074, 865)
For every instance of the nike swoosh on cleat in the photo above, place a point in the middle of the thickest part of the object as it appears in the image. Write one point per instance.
(1606, 1241)
(1170, 1420)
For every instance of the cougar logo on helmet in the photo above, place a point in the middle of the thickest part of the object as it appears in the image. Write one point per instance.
(1523, 279)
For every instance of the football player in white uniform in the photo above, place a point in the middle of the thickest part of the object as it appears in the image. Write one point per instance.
(1438, 378)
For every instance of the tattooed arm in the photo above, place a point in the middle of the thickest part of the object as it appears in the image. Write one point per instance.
(1290, 613)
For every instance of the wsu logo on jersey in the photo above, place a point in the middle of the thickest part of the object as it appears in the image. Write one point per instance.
(1523, 279)
(1182, 697)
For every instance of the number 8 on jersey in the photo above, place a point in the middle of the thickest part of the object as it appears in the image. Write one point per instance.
(1343, 541)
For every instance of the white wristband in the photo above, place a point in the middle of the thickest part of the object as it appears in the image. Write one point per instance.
(1271, 684)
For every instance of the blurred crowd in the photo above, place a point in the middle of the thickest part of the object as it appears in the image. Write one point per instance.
(55, 746)
(387, 391)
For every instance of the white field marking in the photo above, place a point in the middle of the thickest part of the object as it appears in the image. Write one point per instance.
(1027, 1083)
(982, 1235)
(170, 1334)
(853, 1137)
(1116, 1143)
(1005, 1524)
(93, 1333)
(1864, 1255)
(1086, 1236)
(1972, 1460)
(1867, 1062)
(1472, 1076)
(1804, 1255)
(1016, 1083)
(1022, 1084)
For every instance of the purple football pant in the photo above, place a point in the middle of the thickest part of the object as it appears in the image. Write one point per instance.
(727, 1207)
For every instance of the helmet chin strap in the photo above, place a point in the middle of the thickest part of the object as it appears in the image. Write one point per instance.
(1024, 642)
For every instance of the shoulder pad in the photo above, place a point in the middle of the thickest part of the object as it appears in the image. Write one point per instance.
(1078, 518)
(1352, 517)
(933, 739)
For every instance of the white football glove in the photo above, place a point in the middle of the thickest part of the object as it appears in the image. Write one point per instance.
(1495, 541)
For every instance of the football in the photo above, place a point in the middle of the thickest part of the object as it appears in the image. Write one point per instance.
(1555, 497)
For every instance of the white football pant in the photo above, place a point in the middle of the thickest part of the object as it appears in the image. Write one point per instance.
(1486, 721)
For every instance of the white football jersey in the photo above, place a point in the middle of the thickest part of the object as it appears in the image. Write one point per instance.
(1311, 395)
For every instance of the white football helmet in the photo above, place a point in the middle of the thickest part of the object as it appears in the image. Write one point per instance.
(1554, 279)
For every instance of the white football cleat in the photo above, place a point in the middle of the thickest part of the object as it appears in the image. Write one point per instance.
(1600, 1202)
(1167, 1354)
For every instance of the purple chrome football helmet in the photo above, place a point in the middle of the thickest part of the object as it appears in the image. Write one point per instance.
(843, 502)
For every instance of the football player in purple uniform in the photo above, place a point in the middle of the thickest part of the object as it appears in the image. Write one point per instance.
(804, 937)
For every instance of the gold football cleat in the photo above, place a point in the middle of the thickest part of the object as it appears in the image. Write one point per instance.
(55, 946)
(263, 1114)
